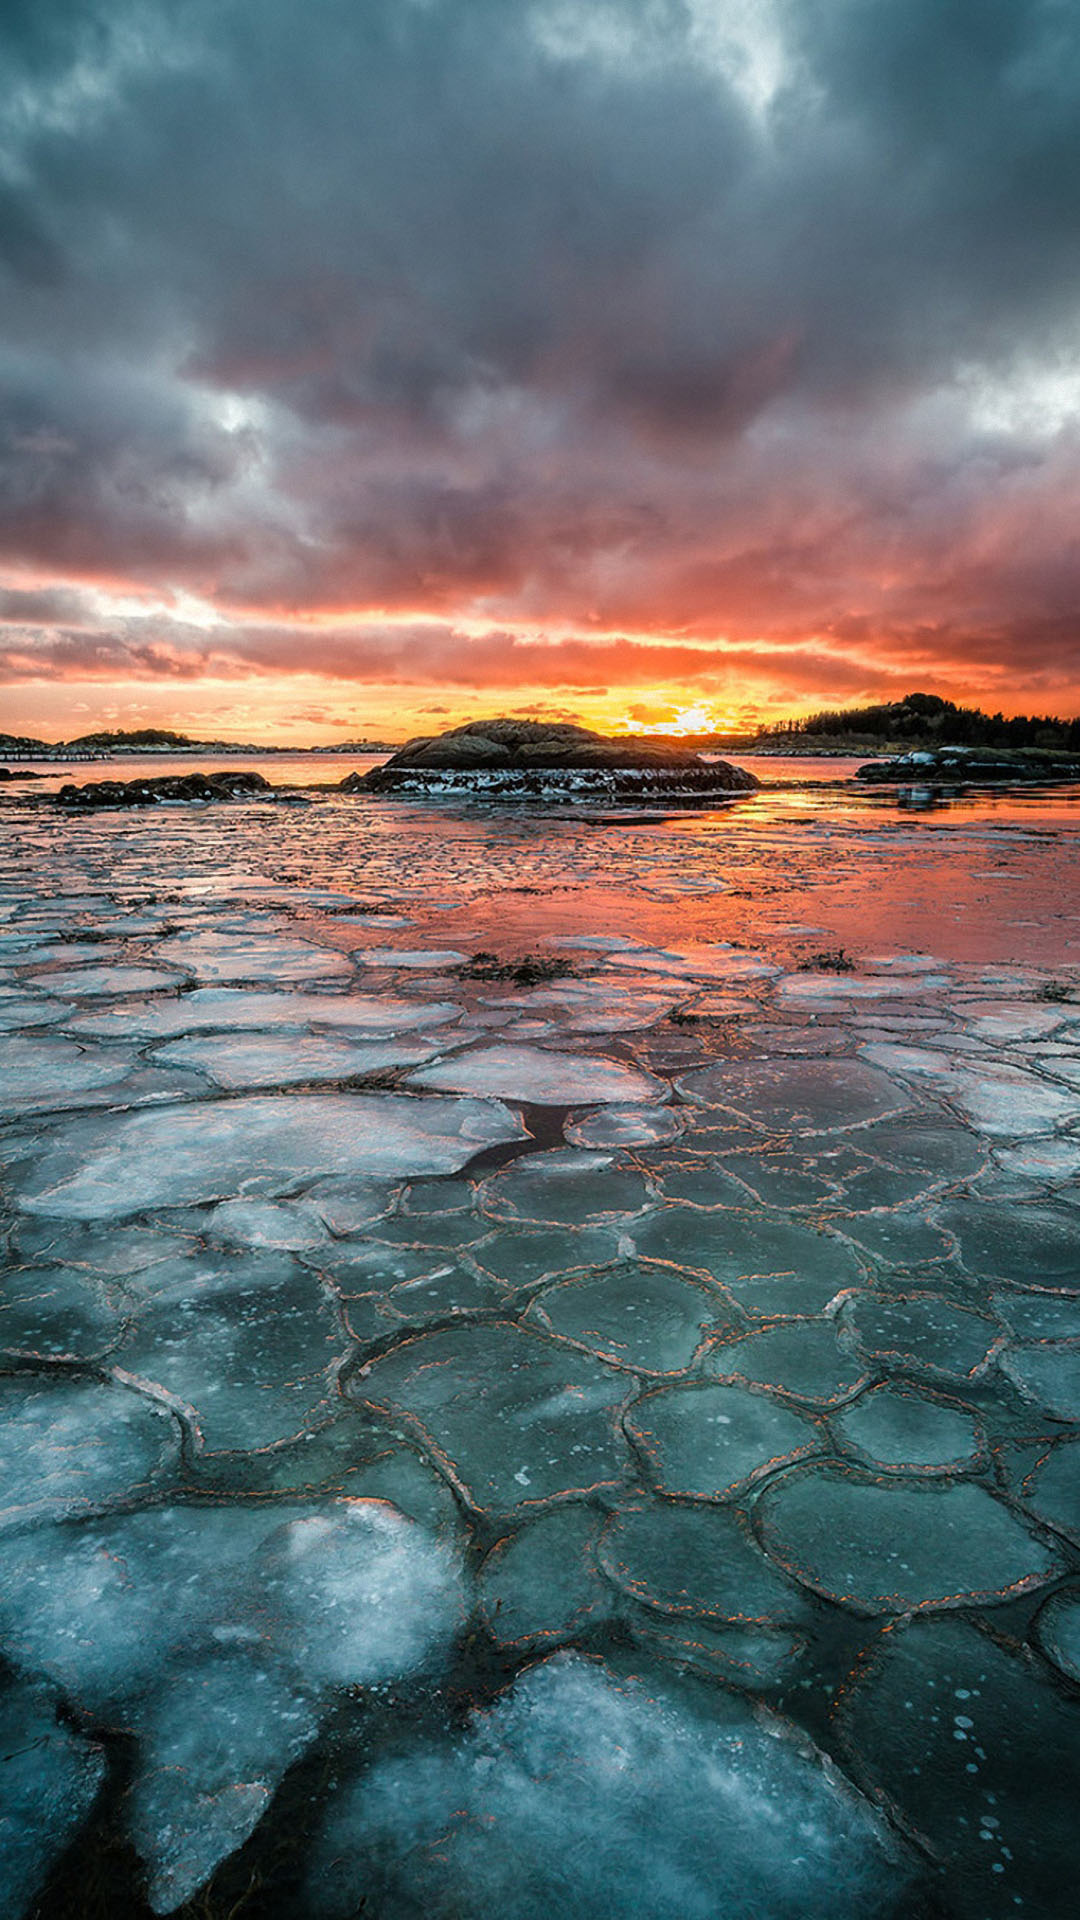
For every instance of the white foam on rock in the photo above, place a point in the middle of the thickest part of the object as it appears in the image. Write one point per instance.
(544, 1078)
(254, 1146)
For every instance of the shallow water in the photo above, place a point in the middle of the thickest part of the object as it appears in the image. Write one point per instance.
(595, 1436)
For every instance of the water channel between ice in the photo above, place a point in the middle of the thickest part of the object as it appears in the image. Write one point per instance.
(587, 1430)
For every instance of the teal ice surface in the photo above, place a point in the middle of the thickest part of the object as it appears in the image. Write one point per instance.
(253, 1060)
(712, 1441)
(771, 1265)
(885, 1546)
(580, 1792)
(1058, 1629)
(461, 1406)
(518, 1417)
(803, 1359)
(543, 1582)
(51, 1778)
(636, 1316)
(978, 1749)
(68, 1445)
(699, 1560)
(1048, 1375)
(900, 1430)
(257, 1144)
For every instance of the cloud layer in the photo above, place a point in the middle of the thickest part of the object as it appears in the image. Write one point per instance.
(451, 344)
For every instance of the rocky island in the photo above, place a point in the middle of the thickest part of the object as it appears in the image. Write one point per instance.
(973, 766)
(174, 788)
(550, 761)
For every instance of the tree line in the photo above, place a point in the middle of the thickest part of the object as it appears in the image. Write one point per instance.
(926, 719)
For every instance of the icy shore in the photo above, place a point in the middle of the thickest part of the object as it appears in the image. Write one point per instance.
(594, 1435)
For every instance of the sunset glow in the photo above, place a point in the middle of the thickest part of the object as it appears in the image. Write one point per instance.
(576, 362)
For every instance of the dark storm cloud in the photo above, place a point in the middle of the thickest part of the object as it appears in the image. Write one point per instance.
(546, 311)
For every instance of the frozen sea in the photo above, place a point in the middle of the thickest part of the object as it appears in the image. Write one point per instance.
(540, 1356)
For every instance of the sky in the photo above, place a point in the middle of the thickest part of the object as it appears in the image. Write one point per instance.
(370, 365)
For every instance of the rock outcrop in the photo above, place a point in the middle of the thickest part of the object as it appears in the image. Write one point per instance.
(541, 760)
(240, 785)
(972, 766)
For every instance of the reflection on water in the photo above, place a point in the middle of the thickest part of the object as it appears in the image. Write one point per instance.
(591, 1429)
